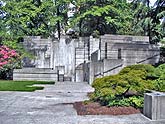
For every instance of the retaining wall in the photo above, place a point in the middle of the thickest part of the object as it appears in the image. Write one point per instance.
(35, 74)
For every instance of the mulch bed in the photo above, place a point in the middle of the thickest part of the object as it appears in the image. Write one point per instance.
(94, 108)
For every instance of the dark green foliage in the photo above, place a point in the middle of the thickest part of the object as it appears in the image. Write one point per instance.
(160, 81)
(33, 17)
(21, 85)
(149, 20)
(127, 87)
(28, 17)
(135, 101)
(104, 16)
(45, 17)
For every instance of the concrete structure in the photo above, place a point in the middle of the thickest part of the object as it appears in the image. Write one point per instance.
(40, 74)
(87, 58)
(118, 51)
(154, 107)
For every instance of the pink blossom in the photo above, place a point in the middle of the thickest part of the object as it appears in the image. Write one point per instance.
(5, 47)
(13, 53)
(7, 55)
(3, 63)
(3, 51)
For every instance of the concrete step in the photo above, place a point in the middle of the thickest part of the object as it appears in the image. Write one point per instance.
(67, 78)
(61, 77)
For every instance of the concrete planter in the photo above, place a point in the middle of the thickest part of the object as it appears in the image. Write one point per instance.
(154, 105)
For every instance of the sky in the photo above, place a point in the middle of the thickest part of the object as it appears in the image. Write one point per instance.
(152, 2)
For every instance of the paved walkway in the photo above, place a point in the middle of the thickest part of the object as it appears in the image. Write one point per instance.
(47, 107)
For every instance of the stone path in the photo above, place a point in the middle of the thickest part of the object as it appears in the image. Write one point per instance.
(49, 107)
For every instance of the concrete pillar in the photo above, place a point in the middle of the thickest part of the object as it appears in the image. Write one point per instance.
(154, 106)
(52, 56)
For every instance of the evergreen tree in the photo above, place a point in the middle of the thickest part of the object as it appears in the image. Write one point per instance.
(148, 20)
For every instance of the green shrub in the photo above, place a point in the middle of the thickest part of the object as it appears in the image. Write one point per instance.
(159, 83)
(135, 101)
(147, 67)
(127, 87)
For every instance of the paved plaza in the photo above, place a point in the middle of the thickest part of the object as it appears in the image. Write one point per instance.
(49, 106)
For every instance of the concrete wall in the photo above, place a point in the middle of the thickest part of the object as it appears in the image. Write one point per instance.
(64, 55)
(38, 74)
(112, 67)
(96, 57)
(133, 49)
(133, 53)
(79, 74)
(94, 45)
(117, 51)
(154, 106)
(124, 38)
(104, 67)
(40, 50)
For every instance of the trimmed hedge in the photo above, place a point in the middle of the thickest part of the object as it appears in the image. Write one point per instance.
(128, 87)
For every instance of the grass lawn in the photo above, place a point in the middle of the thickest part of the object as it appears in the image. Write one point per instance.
(9, 85)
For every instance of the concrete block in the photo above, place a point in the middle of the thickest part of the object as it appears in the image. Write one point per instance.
(38, 74)
(125, 38)
(154, 106)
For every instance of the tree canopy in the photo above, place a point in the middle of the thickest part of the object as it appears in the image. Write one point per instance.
(149, 20)
(45, 17)
(29, 17)
(103, 16)
(33, 17)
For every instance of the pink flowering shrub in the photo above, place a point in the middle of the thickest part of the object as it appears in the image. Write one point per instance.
(9, 59)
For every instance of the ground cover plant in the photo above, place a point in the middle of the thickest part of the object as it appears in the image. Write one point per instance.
(129, 85)
(9, 85)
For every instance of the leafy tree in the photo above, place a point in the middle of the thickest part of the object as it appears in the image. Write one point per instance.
(45, 17)
(61, 9)
(28, 17)
(34, 17)
(104, 16)
(2, 26)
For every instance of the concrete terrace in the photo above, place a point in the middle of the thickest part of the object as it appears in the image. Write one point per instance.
(47, 107)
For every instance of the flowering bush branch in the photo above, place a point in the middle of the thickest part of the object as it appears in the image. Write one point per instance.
(9, 59)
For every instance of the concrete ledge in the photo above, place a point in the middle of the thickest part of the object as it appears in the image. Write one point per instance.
(35, 70)
(154, 105)
(125, 38)
(38, 74)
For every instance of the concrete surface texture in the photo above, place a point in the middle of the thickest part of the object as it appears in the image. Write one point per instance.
(40, 74)
(48, 107)
(154, 107)
(86, 58)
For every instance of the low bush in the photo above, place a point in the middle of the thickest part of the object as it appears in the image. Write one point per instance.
(135, 101)
(160, 81)
(127, 87)
(9, 59)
